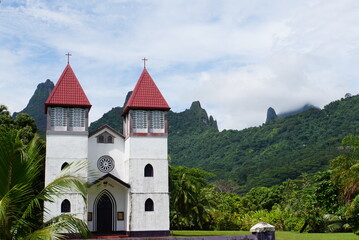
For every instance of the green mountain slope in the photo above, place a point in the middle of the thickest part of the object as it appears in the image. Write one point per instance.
(259, 156)
(278, 150)
(193, 120)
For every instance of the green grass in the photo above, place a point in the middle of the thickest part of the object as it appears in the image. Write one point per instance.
(208, 233)
(278, 236)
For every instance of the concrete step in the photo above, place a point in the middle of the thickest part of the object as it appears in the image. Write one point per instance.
(108, 236)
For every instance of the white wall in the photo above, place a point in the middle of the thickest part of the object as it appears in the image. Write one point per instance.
(152, 220)
(61, 148)
(156, 184)
(114, 150)
(78, 206)
(147, 147)
(140, 151)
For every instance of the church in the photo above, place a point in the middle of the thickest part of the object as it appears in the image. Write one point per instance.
(128, 187)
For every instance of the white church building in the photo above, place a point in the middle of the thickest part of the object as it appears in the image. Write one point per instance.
(129, 193)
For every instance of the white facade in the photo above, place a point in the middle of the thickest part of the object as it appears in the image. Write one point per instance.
(128, 178)
(62, 149)
(127, 174)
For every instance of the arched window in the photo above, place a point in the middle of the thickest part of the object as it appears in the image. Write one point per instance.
(109, 139)
(65, 206)
(101, 139)
(64, 165)
(149, 205)
(148, 170)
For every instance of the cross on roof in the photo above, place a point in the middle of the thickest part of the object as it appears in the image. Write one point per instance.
(144, 62)
(68, 57)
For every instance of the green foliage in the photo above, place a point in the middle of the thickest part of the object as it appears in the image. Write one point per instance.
(258, 156)
(22, 190)
(345, 168)
(23, 122)
(22, 194)
(267, 155)
(112, 118)
(191, 198)
(307, 204)
(352, 215)
(325, 193)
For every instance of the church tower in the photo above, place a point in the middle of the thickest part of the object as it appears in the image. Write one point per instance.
(146, 133)
(67, 109)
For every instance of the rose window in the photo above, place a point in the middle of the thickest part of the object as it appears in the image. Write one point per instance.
(105, 164)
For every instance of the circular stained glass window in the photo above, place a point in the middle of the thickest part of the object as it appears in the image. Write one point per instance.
(105, 164)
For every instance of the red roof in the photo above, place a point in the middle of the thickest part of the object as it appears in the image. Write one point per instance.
(146, 95)
(67, 92)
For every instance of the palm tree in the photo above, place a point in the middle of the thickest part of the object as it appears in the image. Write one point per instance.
(3, 110)
(191, 198)
(345, 168)
(345, 175)
(22, 193)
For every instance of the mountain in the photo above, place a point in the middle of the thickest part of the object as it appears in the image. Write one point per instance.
(35, 107)
(112, 118)
(271, 114)
(282, 148)
(267, 155)
(298, 110)
(191, 120)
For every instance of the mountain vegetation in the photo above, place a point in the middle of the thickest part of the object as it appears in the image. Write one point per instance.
(296, 111)
(273, 152)
(326, 201)
(271, 113)
(282, 148)
(299, 172)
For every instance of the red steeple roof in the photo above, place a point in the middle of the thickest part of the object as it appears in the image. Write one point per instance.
(146, 95)
(67, 92)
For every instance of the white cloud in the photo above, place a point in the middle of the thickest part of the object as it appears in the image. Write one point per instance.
(236, 57)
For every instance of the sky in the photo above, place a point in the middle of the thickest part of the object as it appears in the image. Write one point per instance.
(238, 58)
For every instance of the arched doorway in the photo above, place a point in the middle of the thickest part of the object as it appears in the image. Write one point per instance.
(104, 214)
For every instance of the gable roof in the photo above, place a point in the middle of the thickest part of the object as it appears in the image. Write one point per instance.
(146, 95)
(105, 126)
(109, 175)
(67, 91)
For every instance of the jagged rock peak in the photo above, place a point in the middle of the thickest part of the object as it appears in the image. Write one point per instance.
(35, 106)
(48, 84)
(271, 114)
(198, 110)
(196, 105)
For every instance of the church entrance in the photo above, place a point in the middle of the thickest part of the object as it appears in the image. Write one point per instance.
(104, 214)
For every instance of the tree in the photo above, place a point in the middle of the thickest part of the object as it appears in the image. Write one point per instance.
(190, 198)
(22, 194)
(345, 175)
(5, 117)
(345, 168)
(23, 122)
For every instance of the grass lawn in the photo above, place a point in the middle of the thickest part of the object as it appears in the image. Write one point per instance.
(278, 235)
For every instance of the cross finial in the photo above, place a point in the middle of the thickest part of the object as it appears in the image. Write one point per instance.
(68, 57)
(144, 62)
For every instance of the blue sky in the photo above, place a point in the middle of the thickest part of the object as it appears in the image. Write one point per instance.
(236, 57)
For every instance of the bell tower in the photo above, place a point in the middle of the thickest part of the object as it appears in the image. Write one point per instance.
(67, 109)
(146, 133)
